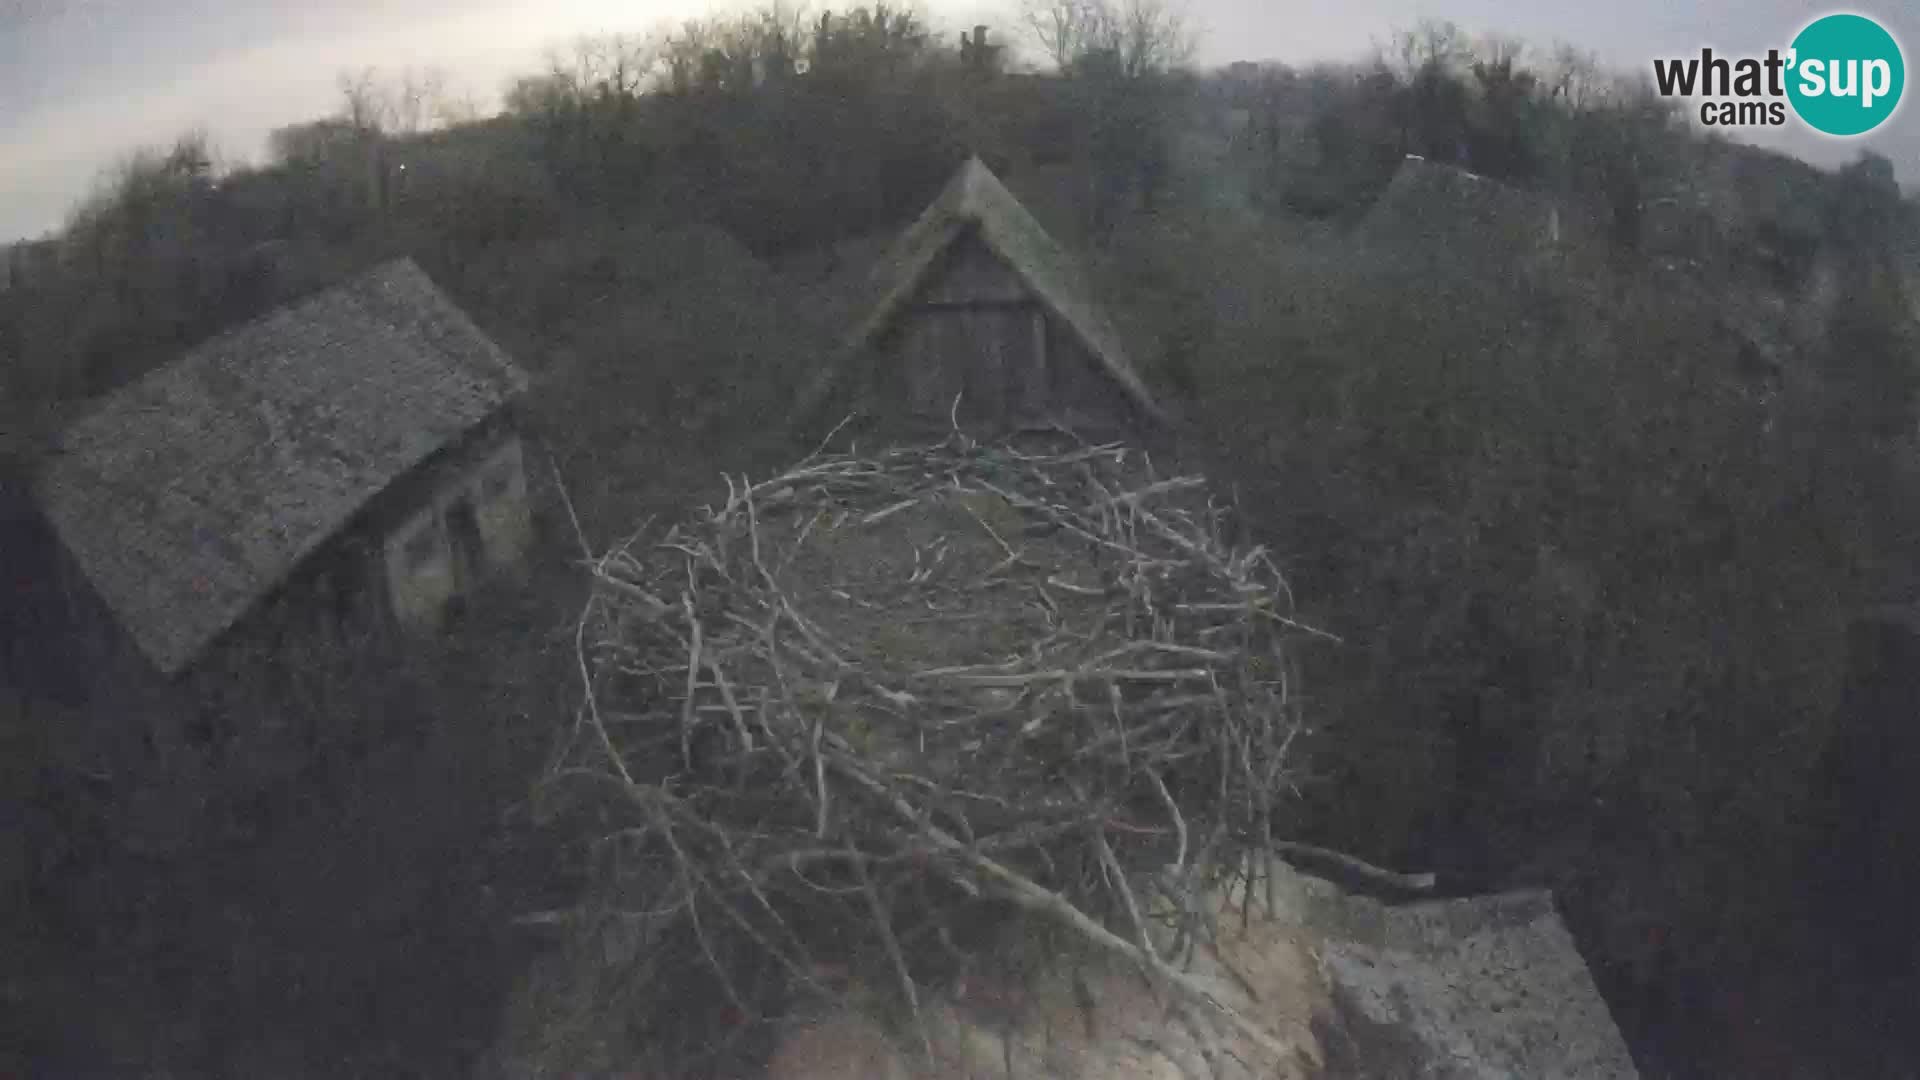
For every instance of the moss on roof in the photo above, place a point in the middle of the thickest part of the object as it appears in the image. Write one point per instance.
(190, 493)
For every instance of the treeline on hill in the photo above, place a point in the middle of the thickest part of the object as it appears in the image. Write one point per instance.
(1599, 526)
(785, 133)
(1326, 140)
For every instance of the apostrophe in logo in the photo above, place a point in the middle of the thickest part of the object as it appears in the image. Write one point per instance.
(1843, 75)
(1848, 74)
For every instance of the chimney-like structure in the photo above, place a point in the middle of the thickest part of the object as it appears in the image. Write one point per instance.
(975, 53)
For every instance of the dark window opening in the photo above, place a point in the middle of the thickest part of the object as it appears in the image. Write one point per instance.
(203, 731)
(342, 597)
(423, 547)
(469, 551)
(498, 480)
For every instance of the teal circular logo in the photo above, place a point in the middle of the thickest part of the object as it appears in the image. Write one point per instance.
(1846, 74)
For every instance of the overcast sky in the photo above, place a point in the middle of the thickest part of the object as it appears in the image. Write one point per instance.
(82, 82)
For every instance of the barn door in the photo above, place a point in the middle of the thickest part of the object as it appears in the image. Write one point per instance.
(988, 373)
(987, 355)
(1028, 381)
(934, 368)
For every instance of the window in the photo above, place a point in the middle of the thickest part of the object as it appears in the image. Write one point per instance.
(423, 547)
(498, 479)
(342, 593)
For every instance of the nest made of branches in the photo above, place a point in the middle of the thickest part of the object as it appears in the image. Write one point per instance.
(835, 723)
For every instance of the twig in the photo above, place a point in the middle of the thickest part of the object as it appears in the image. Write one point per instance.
(560, 484)
(694, 661)
(1173, 812)
(883, 920)
(1024, 892)
(844, 421)
(1308, 854)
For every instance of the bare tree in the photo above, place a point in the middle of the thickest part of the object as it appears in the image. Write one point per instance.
(1139, 37)
(1430, 44)
(363, 103)
(532, 95)
(414, 98)
(592, 67)
(152, 175)
(1152, 36)
(405, 103)
(1499, 50)
(453, 109)
(779, 34)
(718, 52)
(867, 42)
(613, 65)
(1573, 76)
(681, 48)
(313, 142)
(1063, 29)
(193, 156)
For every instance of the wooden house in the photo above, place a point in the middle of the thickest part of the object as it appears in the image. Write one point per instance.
(982, 320)
(346, 467)
(1447, 208)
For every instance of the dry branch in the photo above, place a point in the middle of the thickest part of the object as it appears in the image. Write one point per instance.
(897, 687)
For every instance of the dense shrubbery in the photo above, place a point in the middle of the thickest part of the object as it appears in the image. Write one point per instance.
(1553, 122)
(1598, 571)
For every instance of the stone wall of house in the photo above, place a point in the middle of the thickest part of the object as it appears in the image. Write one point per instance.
(419, 569)
(421, 564)
(499, 492)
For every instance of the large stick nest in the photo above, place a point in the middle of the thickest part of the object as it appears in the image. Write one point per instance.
(831, 722)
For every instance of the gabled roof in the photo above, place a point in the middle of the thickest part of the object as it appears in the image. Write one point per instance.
(1445, 203)
(189, 494)
(975, 201)
(1484, 986)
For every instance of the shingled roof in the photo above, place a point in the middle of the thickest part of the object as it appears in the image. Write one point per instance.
(189, 494)
(976, 201)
